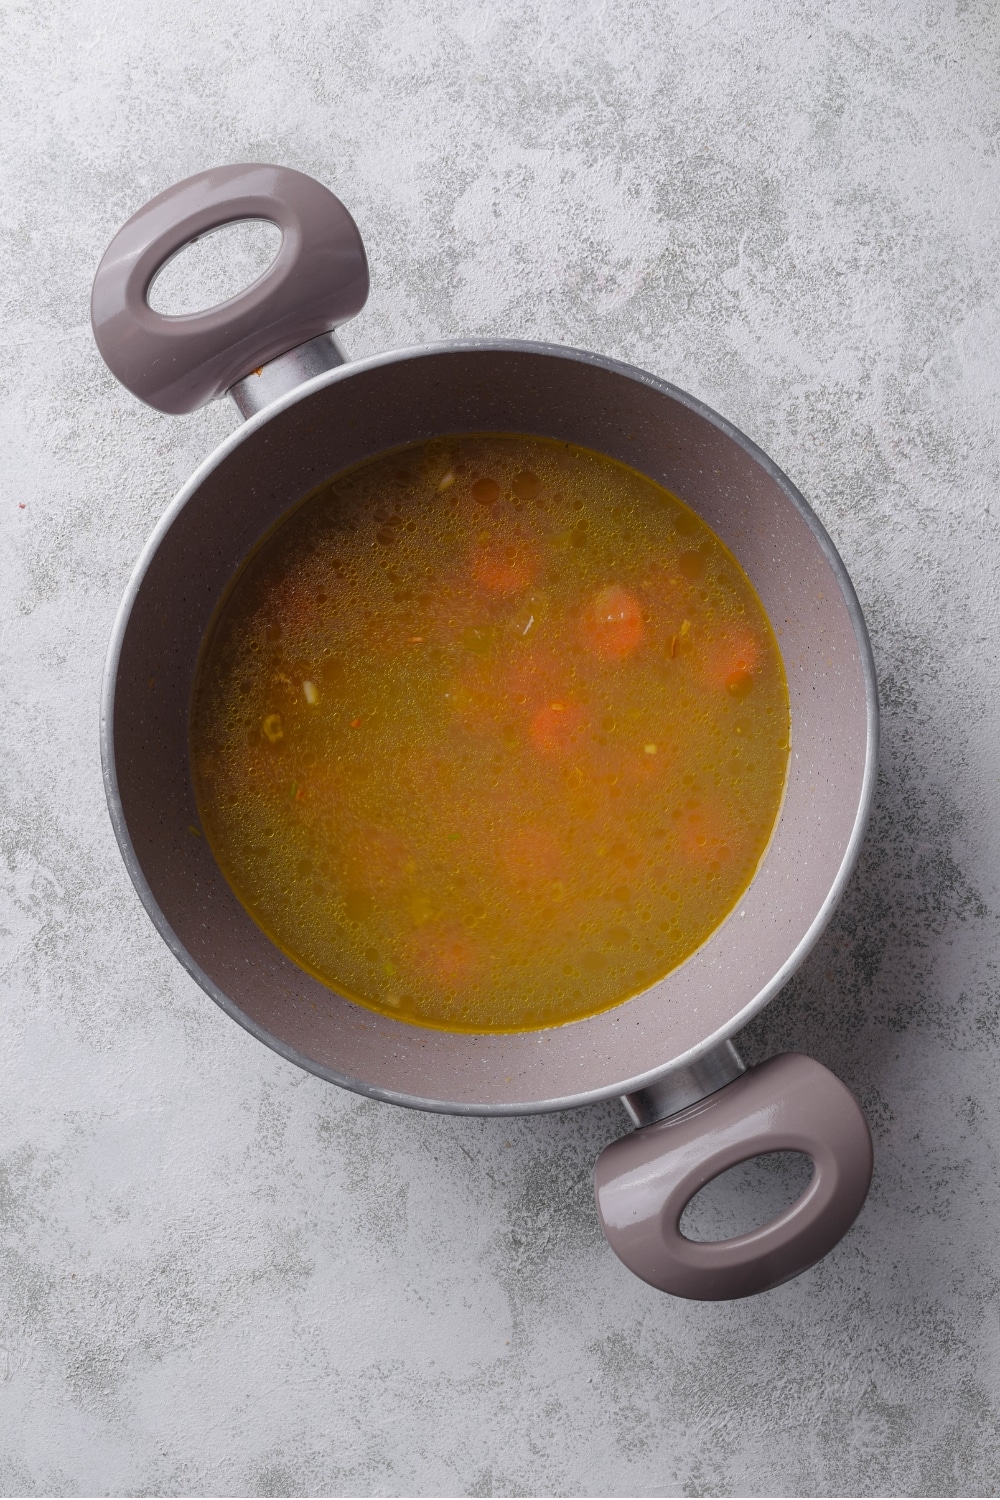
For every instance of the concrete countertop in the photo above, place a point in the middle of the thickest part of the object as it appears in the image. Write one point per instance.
(219, 1275)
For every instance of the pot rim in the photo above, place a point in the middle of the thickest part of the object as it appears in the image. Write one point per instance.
(630, 372)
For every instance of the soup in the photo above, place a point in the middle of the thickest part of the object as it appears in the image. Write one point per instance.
(490, 733)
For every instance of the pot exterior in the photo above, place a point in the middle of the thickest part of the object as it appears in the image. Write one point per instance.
(351, 413)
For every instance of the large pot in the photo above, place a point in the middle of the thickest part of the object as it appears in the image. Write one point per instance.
(668, 1053)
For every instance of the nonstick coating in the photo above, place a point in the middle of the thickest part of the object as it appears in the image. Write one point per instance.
(362, 409)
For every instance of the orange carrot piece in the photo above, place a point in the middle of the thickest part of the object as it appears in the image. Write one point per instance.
(446, 955)
(612, 626)
(504, 570)
(555, 727)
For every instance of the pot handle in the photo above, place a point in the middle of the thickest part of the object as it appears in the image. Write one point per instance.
(318, 279)
(645, 1181)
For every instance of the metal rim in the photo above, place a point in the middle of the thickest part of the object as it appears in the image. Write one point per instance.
(628, 372)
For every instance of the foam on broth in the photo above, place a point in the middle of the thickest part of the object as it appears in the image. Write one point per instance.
(490, 733)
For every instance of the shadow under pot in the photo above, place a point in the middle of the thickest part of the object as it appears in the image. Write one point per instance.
(310, 413)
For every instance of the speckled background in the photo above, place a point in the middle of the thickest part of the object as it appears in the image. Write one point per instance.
(222, 1276)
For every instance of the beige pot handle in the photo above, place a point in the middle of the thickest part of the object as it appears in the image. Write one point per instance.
(317, 280)
(645, 1181)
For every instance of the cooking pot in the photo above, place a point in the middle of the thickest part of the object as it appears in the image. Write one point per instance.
(308, 413)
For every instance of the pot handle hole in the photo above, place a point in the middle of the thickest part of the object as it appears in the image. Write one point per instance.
(317, 280)
(645, 1181)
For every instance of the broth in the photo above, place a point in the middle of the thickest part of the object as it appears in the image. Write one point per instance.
(490, 733)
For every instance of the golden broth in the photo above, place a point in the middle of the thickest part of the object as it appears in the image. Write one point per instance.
(490, 733)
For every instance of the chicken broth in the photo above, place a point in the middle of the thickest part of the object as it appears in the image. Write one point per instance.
(490, 733)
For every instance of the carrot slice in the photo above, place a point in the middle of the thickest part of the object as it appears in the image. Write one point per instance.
(612, 625)
(555, 727)
(446, 955)
(504, 570)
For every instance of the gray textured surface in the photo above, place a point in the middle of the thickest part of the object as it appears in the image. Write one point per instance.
(220, 1275)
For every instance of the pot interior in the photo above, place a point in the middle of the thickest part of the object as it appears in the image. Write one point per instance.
(360, 410)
